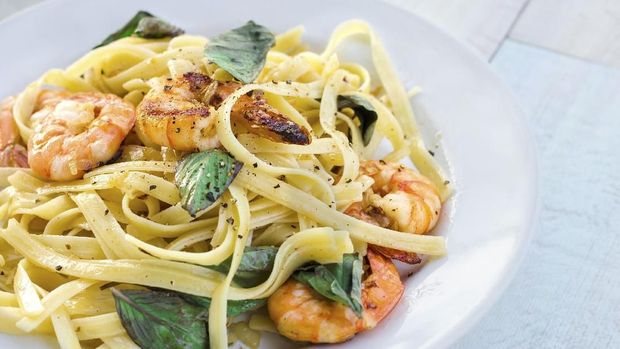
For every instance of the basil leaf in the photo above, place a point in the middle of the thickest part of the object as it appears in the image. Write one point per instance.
(144, 25)
(242, 51)
(233, 307)
(203, 177)
(156, 28)
(166, 319)
(340, 282)
(255, 266)
(156, 319)
(364, 111)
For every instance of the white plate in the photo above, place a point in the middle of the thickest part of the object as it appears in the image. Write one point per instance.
(490, 153)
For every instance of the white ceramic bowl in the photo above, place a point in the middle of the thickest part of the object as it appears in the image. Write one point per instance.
(490, 155)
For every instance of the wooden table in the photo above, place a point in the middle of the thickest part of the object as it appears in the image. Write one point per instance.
(561, 58)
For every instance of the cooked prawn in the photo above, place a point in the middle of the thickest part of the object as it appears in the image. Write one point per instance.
(399, 199)
(177, 113)
(301, 314)
(76, 132)
(12, 154)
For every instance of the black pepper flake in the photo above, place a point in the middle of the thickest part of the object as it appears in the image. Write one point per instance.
(67, 246)
(289, 81)
(316, 168)
(210, 196)
(224, 205)
(167, 88)
(58, 268)
(240, 236)
(152, 186)
(431, 152)
(446, 182)
(410, 274)
(382, 162)
(282, 177)
(2, 272)
(293, 226)
(106, 212)
(171, 282)
(276, 186)
(255, 165)
(230, 220)
(349, 180)
(178, 130)
(102, 72)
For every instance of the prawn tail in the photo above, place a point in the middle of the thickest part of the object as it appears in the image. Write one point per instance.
(382, 290)
(14, 155)
(261, 118)
(403, 256)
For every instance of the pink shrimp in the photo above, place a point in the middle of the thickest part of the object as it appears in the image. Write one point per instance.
(12, 154)
(399, 199)
(301, 314)
(76, 132)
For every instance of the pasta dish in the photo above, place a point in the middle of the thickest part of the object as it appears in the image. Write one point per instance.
(169, 190)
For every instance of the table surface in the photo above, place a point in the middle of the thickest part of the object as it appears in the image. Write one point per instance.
(561, 58)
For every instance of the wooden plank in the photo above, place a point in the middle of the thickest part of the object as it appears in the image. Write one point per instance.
(565, 294)
(588, 29)
(483, 24)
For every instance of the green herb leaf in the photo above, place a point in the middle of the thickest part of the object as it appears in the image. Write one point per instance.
(144, 25)
(155, 319)
(156, 28)
(340, 282)
(255, 266)
(203, 177)
(242, 51)
(364, 111)
(233, 308)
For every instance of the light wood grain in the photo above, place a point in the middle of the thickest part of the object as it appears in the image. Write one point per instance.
(588, 29)
(566, 294)
(483, 24)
